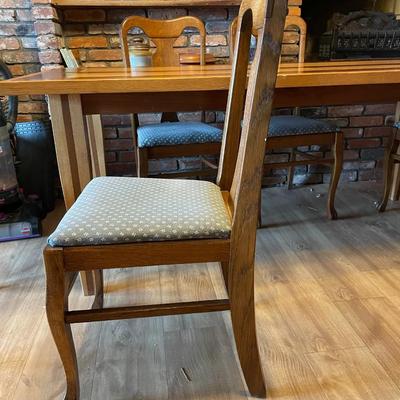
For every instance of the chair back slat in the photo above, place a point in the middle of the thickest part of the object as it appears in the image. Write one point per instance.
(264, 19)
(163, 33)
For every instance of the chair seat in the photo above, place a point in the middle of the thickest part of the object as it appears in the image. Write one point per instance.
(397, 125)
(286, 125)
(175, 133)
(113, 210)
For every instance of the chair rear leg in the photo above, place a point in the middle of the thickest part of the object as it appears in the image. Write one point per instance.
(57, 288)
(99, 289)
(241, 294)
(291, 170)
(142, 162)
(389, 169)
(336, 171)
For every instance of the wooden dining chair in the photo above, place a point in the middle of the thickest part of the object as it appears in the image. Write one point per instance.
(121, 222)
(294, 131)
(391, 159)
(170, 138)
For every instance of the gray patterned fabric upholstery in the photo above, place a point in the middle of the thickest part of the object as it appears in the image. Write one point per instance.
(175, 133)
(397, 125)
(114, 210)
(285, 125)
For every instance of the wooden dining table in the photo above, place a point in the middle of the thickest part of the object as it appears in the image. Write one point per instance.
(76, 93)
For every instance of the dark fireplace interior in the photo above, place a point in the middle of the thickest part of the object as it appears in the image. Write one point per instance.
(319, 15)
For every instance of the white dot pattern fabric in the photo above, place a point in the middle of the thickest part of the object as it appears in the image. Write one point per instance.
(113, 210)
(283, 125)
(175, 133)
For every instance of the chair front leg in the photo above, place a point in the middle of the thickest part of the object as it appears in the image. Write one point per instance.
(143, 162)
(388, 170)
(335, 174)
(241, 296)
(58, 282)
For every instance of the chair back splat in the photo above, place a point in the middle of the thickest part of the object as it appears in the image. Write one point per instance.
(163, 33)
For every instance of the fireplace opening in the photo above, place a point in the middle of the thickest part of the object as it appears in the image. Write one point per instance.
(352, 29)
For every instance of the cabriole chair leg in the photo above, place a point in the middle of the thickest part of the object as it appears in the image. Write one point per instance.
(57, 287)
(336, 171)
(388, 170)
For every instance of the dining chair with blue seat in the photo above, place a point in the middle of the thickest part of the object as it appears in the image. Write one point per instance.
(295, 131)
(170, 137)
(120, 222)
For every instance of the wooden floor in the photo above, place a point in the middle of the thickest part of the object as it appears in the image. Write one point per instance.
(328, 309)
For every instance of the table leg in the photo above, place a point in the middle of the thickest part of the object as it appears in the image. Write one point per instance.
(71, 145)
(96, 141)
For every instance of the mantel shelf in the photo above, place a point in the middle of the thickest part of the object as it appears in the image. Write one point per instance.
(153, 3)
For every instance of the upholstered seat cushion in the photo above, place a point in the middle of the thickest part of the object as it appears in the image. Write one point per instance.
(397, 125)
(114, 210)
(284, 125)
(175, 133)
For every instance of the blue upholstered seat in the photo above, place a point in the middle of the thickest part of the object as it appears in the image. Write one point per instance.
(175, 133)
(397, 125)
(114, 210)
(285, 125)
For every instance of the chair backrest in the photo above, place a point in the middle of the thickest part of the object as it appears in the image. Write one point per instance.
(163, 33)
(241, 161)
(291, 21)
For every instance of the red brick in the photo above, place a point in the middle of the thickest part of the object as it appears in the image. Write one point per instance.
(48, 42)
(16, 69)
(217, 26)
(126, 156)
(125, 132)
(378, 109)
(15, 3)
(353, 132)
(24, 15)
(7, 15)
(106, 55)
(110, 133)
(20, 57)
(48, 12)
(86, 42)
(366, 121)
(166, 13)
(87, 15)
(8, 29)
(378, 131)
(208, 13)
(121, 169)
(363, 143)
(117, 15)
(345, 111)
(118, 144)
(290, 50)
(29, 42)
(50, 57)
(211, 40)
(32, 107)
(9, 43)
(73, 29)
(46, 27)
(110, 156)
(108, 29)
(291, 37)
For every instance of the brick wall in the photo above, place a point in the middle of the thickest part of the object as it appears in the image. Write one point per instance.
(31, 34)
(19, 49)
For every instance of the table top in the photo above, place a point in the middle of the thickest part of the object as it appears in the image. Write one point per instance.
(197, 78)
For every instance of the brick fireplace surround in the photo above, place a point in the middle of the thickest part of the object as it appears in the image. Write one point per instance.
(32, 31)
